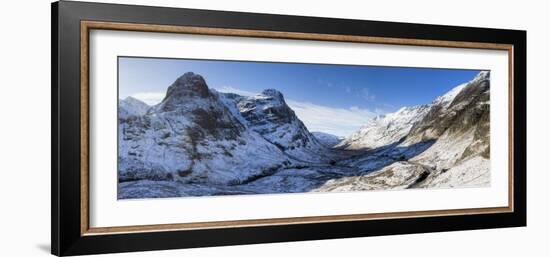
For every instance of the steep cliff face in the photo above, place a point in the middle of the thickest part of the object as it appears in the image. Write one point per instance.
(467, 108)
(268, 115)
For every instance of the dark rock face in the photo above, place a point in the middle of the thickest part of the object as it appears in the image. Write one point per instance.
(476, 116)
(468, 109)
(462, 131)
(270, 116)
(190, 97)
(274, 93)
(271, 108)
(189, 85)
(216, 124)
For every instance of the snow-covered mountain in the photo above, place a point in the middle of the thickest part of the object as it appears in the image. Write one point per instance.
(198, 135)
(461, 152)
(327, 139)
(131, 107)
(454, 111)
(191, 136)
(447, 145)
(268, 115)
(385, 129)
(390, 128)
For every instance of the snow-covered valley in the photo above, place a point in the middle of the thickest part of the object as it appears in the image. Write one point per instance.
(200, 142)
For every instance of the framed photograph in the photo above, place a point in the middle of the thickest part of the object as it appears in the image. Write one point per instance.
(178, 128)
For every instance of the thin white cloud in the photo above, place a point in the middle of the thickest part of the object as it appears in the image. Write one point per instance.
(336, 121)
(150, 98)
(230, 89)
(347, 89)
(367, 95)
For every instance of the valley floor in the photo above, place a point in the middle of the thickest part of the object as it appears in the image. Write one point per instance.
(385, 168)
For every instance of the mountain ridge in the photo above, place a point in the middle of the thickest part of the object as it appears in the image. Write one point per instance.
(447, 146)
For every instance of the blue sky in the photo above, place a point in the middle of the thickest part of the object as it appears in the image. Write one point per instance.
(336, 99)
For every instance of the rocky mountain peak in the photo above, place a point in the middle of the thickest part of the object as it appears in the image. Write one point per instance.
(273, 93)
(445, 100)
(189, 84)
(130, 99)
(385, 129)
(483, 75)
(268, 115)
(190, 77)
(462, 109)
(131, 106)
(267, 107)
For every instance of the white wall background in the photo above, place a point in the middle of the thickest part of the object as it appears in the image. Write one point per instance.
(25, 127)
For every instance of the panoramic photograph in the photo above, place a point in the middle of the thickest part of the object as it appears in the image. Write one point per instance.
(191, 127)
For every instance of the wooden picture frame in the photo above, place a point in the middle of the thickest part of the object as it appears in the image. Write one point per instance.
(71, 25)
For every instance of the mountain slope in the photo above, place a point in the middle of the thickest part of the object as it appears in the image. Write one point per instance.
(131, 107)
(385, 129)
(191, 136)
(463, 138)
(446, 145)
(268, 115)
(327, 139)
